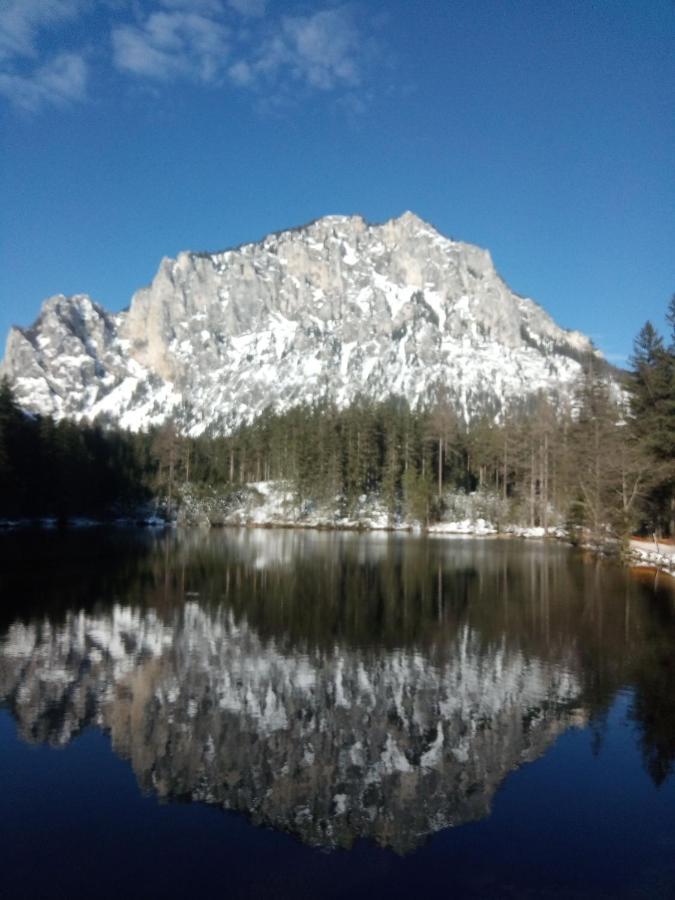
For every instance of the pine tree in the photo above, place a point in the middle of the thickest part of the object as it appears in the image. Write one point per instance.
(9, 423)
(646, 377)
(443, 432)
(596, 441)
(652, 394)
(166, 450)
(418, 491)
(670, 319)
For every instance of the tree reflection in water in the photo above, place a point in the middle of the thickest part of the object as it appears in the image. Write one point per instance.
(335, 686)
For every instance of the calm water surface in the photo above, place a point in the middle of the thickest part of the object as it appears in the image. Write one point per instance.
(280, 713)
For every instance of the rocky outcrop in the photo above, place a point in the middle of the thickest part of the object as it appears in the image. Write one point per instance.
(333, 309)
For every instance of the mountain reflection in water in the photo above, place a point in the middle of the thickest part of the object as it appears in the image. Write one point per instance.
(334, 686)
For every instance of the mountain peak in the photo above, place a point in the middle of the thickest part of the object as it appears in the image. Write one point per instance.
(333, 309)
(411, 219)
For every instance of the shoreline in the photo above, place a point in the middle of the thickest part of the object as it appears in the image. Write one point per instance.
(639, 554)
(438, 529)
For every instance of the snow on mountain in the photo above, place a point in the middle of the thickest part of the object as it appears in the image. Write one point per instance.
(332, 309)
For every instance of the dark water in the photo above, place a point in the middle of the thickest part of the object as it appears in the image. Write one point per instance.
(279, 713)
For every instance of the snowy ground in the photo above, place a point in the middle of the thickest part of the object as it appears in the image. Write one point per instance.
(464, 526)
(269, 503)
(651, 554)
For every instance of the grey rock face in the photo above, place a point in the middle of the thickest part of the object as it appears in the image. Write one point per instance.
(335, 308)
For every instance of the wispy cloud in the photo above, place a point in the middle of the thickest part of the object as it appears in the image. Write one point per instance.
(172, 44)
(22, 20)
(231, 44)
(27, 81)
(324, 48)
(60, 81)
(319, 51)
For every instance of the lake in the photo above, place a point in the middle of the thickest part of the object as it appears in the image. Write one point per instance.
(280, 713)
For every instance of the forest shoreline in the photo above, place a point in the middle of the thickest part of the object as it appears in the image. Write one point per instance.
(637, 554)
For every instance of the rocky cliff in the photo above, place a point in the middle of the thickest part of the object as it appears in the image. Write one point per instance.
(333, 309)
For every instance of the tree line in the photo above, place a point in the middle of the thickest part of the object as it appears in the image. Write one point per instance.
(65, 468)
(604, 461)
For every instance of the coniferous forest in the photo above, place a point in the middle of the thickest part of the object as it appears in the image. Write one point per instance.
(607, 461)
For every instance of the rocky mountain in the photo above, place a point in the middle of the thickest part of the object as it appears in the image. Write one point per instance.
(332, 309)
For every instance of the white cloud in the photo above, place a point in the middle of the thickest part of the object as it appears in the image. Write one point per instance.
(60, 81)
(320, 51)
(255, 8)
(241, 73)
(172, 44)
(26, 83)
(324, 48)
(21, 20)
(281, 58)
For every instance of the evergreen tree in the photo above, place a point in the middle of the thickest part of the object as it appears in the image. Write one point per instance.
(597, 435)
(9, 428)
(652, 426)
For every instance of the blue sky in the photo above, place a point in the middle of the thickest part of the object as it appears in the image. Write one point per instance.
(544, 131)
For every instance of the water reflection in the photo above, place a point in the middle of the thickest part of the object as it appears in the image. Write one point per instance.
(334, 686)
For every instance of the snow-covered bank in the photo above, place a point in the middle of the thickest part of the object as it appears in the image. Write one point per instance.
(652, 555)
(464, 527)
(275, 504)
(480, 527)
